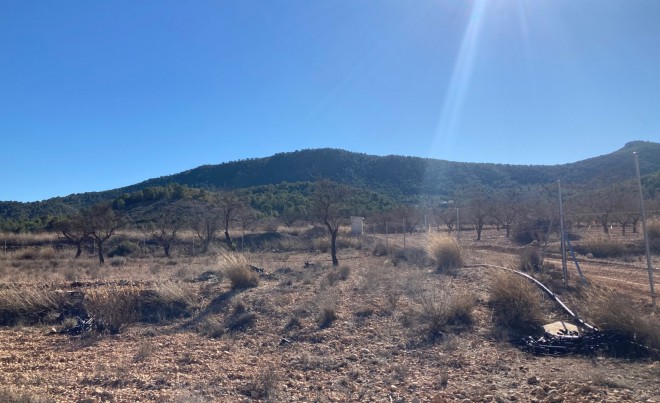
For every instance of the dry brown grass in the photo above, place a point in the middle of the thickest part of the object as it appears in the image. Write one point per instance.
(439, 312)
(445, 251)
(28, 305)
(517, 304)
(115, 307)
(12, 396)
(601, 246)
(237, 268)
(618, 315)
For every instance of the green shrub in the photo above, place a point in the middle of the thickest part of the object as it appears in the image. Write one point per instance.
(445, 251)
(124, 248)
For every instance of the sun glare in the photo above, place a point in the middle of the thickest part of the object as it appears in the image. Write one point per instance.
(454, 98)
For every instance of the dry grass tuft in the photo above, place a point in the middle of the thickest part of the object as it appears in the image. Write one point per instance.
(10, 396)
(600, 246)
(28, 306)
(441, 312)
(530, 260)
(337, 274)
(446, 252)
(114, 307)
(517, 304)
(167, 300)
(618, 316)
(237, 268)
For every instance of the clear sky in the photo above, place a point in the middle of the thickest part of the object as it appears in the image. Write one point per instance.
(96, 95)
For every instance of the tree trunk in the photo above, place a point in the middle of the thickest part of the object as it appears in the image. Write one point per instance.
(479, 227)
(166, 248)
(100, 247)
(605, 227)
(78, 250)
(228, 240)
(333, 247)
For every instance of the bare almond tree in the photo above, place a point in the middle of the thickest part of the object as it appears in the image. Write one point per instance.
(73, 230)
(328, 206)
(101, 223)
(165, 224)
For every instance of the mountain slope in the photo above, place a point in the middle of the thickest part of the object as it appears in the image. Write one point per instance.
(397, 177)
(411, 175)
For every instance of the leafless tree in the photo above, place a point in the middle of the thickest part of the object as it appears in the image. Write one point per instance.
(165, 224)
(447, 216)
(73, 230)
(329, 208)
(478, 203)
(101, 223)
(205, 221)
(230, 206)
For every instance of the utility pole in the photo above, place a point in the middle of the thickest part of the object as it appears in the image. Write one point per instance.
(563, 240)
(646, 236)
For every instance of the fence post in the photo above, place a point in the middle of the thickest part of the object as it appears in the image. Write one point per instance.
(563, 235)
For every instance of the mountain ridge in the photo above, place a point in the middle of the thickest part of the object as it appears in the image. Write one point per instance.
(398, 177)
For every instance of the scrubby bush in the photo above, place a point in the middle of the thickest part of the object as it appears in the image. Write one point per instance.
(124, 248)
(338, 274)
(530, 260)
(445, 251)
(327, 303)
(28, 306)
(627, 324)
(238, 270)
(441, 312)
(601, 246)
(240, 318)
(653, 231)
(517, 304)
(114, 308)
(167, 300)
(526, 232)
(380, 249)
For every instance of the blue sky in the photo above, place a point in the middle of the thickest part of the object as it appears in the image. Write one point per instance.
(96, 95)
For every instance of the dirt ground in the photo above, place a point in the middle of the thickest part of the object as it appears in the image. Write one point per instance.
(370, 350)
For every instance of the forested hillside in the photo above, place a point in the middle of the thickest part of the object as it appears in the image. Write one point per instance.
(281, 183)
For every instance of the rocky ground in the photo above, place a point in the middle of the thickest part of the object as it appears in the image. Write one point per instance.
(311, 336)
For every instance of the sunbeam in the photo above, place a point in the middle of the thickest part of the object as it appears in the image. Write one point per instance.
(454, 99)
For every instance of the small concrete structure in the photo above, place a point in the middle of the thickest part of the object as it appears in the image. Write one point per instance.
(357, 225)
(562, 329)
